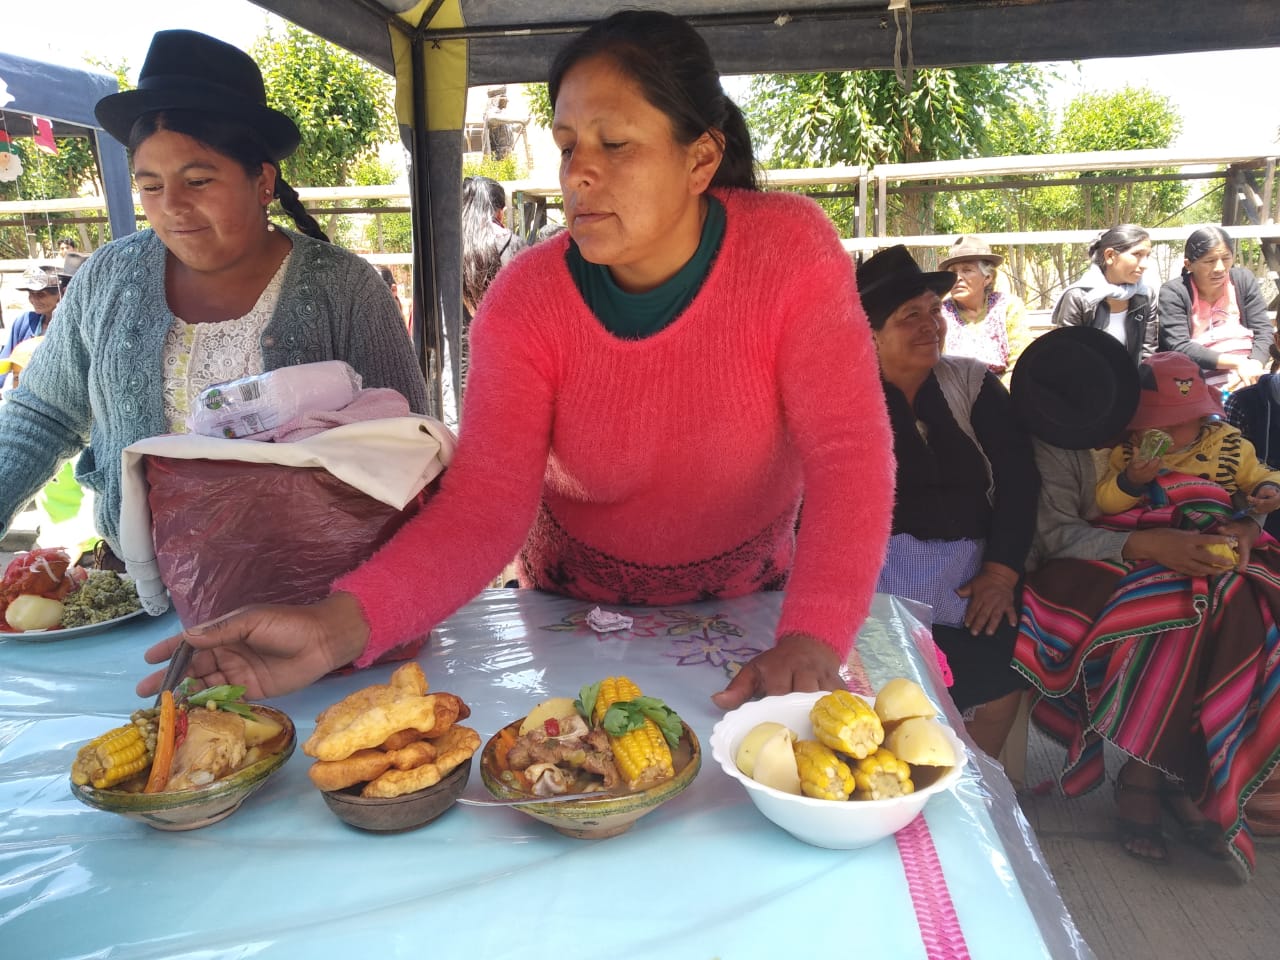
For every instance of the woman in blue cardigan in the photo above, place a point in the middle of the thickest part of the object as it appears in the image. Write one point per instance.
(212, 292)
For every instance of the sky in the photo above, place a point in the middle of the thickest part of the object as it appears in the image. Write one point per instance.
(1226, 98)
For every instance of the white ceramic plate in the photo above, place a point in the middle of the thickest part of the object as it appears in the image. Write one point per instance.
(66, 633)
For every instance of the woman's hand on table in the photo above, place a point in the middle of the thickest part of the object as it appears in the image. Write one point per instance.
(990, 595)
(797, 662)
(269, 649)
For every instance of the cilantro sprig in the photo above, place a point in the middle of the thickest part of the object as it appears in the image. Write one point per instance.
(628, 715)
(223, 697)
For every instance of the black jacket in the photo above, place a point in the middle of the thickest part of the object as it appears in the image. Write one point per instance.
(1175, 313)
(1140, 324)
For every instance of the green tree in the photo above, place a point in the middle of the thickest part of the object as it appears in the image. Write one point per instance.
(1127, 119)
(387, 232)
(867, 117)
(341, 104)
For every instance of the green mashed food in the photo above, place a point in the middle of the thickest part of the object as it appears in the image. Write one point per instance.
(104, 596)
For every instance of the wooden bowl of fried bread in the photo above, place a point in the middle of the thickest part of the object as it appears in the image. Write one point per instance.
(392, 757)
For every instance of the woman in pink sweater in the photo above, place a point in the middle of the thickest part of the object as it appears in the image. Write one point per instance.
(651, 395)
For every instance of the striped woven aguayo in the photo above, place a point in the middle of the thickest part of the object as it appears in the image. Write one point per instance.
(1181, 672)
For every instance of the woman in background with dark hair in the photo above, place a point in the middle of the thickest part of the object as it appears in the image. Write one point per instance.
(1215, 314)
(651, 394)
(487, 246)
(212, 292)
(1112, 295)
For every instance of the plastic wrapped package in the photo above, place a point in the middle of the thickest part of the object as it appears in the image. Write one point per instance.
(259, 404)
(229, 534)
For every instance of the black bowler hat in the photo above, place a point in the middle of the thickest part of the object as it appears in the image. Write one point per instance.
(891, 278)
(186, 70)
(1075, 387)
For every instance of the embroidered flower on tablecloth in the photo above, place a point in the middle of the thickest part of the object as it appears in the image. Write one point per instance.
(709, 640)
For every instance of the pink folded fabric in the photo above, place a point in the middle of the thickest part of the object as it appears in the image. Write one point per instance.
(373, 403)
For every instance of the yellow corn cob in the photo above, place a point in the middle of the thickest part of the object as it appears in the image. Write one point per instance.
(881, 775)
(111, 758)
(846, 723)
(823, 775)
(642, 756)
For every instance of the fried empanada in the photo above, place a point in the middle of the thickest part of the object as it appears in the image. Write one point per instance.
(453, 748)
(366, 722)
(401, 738)
(361, 767)
(413, 755)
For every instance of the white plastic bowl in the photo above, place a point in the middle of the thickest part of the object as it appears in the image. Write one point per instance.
(836, 824)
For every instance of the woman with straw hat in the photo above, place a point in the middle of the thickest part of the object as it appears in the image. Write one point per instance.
(982, 322)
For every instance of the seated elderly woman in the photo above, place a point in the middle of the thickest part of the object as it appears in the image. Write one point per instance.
(1140, 636)
(965, 492)
(982, 322)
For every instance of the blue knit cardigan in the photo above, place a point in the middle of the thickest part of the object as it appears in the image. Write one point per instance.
(96, 383)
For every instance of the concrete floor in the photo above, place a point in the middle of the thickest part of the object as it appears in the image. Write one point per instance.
(1191, 907)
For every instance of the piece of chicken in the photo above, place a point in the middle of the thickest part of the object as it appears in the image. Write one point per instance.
(213, 748)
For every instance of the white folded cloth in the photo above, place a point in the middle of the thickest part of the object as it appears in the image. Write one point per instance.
(391, 460)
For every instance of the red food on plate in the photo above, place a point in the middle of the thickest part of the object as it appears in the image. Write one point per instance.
(45, 572)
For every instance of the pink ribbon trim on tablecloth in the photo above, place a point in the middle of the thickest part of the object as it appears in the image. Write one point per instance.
(935, 912)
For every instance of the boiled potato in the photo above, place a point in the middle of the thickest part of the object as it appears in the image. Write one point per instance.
(29, 612)
(901, 698)
(557, 708)
(922, 742)
(749, 749)
(775, 763)
(259, 729)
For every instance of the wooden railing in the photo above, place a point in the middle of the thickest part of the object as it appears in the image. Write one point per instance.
(869, 187)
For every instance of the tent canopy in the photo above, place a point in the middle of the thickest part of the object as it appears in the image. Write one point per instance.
(66, 97)
(437, 49)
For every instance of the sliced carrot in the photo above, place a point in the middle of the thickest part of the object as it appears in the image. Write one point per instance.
(166, 736)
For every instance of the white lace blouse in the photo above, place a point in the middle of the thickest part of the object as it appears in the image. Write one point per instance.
(198, 355)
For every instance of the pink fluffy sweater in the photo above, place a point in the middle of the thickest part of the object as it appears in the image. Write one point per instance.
(668, 469)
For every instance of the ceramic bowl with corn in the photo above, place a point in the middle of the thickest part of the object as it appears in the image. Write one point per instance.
(837, 770)
(185, 764)
(655, 760)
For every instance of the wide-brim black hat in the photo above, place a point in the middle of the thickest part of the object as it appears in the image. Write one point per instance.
(186, 70)
(1075, 387)
(891, 278)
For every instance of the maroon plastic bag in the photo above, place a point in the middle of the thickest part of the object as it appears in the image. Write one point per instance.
(229, 533)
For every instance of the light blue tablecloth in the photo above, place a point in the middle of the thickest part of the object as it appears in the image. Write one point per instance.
(704, 876)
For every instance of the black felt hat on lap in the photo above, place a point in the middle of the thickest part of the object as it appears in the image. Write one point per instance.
(1075, 387)
(186, 70)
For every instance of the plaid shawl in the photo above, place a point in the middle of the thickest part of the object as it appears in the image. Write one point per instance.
(1180, 672)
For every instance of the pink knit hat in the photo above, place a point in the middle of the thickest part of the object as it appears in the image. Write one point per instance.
(1173, 391)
